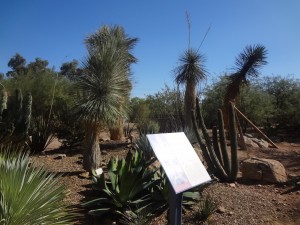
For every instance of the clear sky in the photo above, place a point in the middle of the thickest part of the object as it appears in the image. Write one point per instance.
(55, 30)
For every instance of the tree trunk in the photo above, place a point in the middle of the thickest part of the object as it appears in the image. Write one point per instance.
(117, 133)
(189, 103)
(91, 145)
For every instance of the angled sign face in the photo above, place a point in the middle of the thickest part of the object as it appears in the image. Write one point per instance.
(179, 160)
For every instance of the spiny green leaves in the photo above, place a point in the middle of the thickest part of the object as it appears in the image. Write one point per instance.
(30, 195)
(129, 183)
(191, 67)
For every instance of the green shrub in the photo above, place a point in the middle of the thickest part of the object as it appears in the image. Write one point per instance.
(29, 195)
(149, 127)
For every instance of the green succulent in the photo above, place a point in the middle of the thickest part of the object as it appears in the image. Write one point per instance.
(128, 184)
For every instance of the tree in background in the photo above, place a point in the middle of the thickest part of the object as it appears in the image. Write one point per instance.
(101, 90)
(70, 69)
(38, 66)
(17, 63)
(49, 91)
(286, 99)
(256, 104)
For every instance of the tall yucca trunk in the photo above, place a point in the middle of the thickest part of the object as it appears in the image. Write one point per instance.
(189, 103)
(91, 151)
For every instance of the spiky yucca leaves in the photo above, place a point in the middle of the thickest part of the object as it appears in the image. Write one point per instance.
(29, 195)
(247, 65)
(117, 33)
(124, 44)
(101, 91)
(190, 72)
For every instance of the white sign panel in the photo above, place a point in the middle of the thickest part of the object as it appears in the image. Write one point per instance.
(179, 160)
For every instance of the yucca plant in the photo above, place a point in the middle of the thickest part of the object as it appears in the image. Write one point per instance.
(129, 183)
(29, 195)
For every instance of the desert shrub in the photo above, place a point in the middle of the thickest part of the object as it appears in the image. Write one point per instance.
(42, 134)
(285, 92)
(28, 194)
(166, 109)
(213, 98)
(67, 128)
(149, 127)
(256, 104)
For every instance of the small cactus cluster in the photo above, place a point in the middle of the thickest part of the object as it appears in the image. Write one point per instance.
(214, 151)
(15, 113)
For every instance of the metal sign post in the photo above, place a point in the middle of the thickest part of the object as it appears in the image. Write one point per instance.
(175, 204)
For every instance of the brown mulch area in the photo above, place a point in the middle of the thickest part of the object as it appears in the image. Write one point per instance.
(242, 203)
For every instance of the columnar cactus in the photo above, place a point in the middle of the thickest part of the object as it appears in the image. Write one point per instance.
(214, 151)
(3, 102)
(14, 117)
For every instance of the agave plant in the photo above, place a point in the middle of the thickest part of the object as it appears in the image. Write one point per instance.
(129, 184)
(29, 195)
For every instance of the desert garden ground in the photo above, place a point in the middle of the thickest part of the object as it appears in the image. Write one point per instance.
(243, 202)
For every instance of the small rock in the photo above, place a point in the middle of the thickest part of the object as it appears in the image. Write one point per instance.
(84, 175)
(230, 213)
(232, 185)
(60, 156)
(221, 209)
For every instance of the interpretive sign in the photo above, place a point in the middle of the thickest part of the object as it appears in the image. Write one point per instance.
(179, 160)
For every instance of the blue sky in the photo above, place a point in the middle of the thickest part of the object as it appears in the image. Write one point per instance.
(55, 30)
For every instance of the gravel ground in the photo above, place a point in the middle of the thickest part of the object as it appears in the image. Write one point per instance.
(239, 203)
